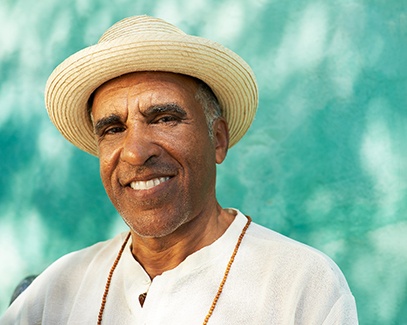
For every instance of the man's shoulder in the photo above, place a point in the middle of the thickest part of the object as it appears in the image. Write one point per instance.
(284, 253)
(80, 259)
(69, 269)
(290, 269)
(57, 286)
(277, 244)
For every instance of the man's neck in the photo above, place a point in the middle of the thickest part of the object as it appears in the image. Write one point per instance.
(158, 255)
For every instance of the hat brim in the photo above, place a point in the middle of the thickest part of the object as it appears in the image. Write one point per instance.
(71, 84)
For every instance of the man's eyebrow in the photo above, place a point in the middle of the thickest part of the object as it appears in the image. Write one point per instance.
(165, 108)
(152, 110)
(105, 121)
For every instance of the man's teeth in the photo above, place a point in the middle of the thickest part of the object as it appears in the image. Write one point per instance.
(145, 185)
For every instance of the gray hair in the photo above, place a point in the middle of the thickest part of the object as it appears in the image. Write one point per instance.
(210, 104)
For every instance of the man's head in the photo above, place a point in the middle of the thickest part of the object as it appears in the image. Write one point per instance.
(144, 43)
(159, 108)
(157, 158)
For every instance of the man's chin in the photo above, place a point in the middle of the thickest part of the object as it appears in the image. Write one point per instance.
(153, 226)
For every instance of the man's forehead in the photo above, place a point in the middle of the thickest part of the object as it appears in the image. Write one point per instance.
(145, 90)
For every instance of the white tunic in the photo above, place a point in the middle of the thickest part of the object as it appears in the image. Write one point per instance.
(273, 280)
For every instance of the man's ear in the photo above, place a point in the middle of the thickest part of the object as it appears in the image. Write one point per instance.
(220, 139)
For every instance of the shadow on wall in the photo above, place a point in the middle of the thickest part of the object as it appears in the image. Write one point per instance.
(325, 161)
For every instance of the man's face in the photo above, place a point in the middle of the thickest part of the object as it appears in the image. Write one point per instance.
(157, 161)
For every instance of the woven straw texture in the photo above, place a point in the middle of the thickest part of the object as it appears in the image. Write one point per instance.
(143, 43)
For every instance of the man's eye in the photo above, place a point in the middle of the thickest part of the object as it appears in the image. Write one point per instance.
(113, 130)
(166, 119)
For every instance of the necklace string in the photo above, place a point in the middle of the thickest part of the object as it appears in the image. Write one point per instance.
(109, 280)
(215, 300)
(225, 276)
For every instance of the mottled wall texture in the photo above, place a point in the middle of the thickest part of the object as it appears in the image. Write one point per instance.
(325, 161)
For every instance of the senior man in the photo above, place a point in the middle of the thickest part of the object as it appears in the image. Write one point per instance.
(160, 109)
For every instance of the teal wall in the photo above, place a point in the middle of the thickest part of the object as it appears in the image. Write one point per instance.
(325, 161)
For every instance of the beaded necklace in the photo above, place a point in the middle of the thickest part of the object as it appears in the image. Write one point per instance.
(215, 300)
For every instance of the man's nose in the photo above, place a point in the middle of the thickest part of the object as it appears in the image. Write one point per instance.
(139, 146)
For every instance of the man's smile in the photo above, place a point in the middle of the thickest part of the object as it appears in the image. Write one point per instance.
(146, 185)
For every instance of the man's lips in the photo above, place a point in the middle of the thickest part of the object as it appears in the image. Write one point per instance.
(146, 185)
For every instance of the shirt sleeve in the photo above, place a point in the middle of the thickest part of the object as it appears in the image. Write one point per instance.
(343, 312)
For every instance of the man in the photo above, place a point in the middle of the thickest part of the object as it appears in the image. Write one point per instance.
(160, 109)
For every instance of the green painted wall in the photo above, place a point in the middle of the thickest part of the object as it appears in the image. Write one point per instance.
(325, 161)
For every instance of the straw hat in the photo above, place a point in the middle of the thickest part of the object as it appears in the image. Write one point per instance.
(143, 43)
